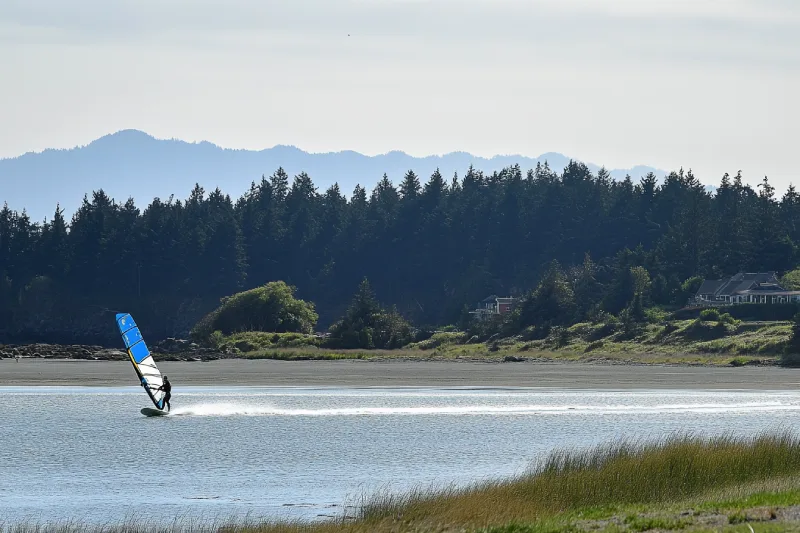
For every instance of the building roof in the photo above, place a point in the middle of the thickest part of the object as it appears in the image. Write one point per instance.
(738, 283)
(734, 287)
(768, 287)
(710, 286)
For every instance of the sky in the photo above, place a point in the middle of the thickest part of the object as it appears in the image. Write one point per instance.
(710, 85)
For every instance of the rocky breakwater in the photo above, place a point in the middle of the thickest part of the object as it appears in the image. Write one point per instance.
(166, 350)
(61, 351)
(184, 350)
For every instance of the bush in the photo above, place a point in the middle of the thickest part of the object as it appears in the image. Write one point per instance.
(699, 330)
(610, 326)
(655, 315)
(442, 338)
(270, 308)
(251, 341)
(726, 318)
(216, 339)
(709, 315)
(559, 336)
(594, 346)
(753, 312)
(689, 288)
(367, 325)
(668, 328)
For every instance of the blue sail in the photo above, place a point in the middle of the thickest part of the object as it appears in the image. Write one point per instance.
(141, 358)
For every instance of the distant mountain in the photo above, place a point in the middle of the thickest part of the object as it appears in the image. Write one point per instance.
(131, 163)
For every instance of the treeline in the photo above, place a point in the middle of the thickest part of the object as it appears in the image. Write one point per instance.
(428, 248)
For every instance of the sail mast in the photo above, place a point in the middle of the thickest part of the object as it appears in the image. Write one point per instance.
(141, 358)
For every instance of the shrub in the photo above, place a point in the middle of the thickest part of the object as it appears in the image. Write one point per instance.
(216, 339)
(609, 327)
(251, 341)
(559, 336)
(367, 325)
(440, 339)
(594, 346)
(709, 315)
(271, 308)
(655, 315)
(726, 318)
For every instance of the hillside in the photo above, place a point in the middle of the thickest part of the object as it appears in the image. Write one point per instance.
(577, 245)
(131, 163)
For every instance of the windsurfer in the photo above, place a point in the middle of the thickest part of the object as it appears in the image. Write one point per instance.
(167, 388)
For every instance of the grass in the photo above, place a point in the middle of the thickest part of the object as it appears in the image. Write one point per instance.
(623, 486)
(692, 342)
(130, 524)
(617, 474)
(250, 341)
(682, 341)
(677, 483)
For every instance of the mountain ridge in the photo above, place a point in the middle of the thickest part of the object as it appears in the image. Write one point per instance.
(133, 163)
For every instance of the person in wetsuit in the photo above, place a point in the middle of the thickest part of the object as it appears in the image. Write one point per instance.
(167, 388)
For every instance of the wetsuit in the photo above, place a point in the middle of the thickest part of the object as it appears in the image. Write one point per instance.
(167, 388)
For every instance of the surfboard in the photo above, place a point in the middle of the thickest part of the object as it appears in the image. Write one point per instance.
(141, 358)
(149, 411)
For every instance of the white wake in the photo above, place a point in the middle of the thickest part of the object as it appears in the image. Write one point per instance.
(236, 409)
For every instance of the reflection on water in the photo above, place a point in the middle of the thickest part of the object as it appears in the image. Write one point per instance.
(88, 453)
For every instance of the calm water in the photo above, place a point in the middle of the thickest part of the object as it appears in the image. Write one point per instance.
(87, 453)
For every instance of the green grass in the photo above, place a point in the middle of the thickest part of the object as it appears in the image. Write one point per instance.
(694, 342)
(621, 473)
(678, 342)
(444, 338)
(251, 341)
(301, 354)
(681, 483)
(684, 341)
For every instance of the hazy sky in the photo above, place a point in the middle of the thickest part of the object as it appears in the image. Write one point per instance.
(707, 84)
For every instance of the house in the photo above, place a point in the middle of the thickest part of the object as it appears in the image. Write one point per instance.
(492, 306)
(504, 305)
(758, 287)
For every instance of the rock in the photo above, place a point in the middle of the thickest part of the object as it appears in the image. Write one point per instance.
(245, 346)
(513, 359)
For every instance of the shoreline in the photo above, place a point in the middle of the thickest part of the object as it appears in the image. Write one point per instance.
(403, 373)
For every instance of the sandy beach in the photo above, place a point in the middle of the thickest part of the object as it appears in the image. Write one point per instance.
(355, 373)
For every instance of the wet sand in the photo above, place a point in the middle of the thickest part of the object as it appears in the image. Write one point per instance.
(355, 373)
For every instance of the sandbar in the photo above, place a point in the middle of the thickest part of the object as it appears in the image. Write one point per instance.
(402, 373)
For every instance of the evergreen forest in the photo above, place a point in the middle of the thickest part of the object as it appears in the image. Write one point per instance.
(431, 247)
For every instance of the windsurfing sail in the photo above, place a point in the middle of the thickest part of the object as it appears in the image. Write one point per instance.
(142, 359)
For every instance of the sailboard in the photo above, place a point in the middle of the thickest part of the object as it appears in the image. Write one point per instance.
(141, 358)
(149, 411)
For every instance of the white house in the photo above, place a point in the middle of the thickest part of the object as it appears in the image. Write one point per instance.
(758, 287)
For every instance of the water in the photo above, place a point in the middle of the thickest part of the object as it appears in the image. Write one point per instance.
(88, 453)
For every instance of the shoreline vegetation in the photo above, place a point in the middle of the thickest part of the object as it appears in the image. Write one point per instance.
(571, 246)
(268, 322)
(677, 483)
(679, 342)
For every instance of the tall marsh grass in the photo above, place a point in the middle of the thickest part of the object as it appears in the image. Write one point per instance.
(619, 473)
(625, 472)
